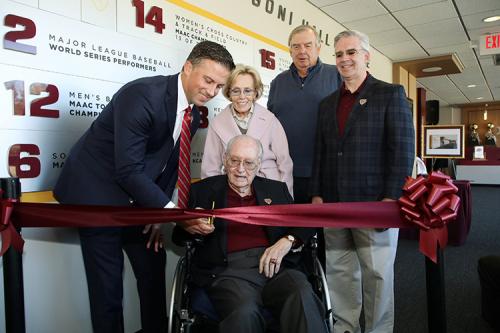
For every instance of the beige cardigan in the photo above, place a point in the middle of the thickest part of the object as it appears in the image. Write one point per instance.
(264, 126)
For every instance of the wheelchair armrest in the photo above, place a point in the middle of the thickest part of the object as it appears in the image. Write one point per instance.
(313, 242)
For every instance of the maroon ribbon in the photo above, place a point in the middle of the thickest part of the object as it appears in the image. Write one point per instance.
(430, 203)
(8, 233)
(430, 207)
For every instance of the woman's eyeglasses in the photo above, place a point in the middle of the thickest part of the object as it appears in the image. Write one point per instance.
(237, 92)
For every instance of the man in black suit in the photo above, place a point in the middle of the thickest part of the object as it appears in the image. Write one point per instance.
(364, 150)
(245, 267)
(129, 157)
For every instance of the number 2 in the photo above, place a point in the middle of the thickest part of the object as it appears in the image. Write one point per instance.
(11, 38)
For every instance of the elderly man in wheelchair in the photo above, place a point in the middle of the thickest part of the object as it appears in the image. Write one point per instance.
(247, 268)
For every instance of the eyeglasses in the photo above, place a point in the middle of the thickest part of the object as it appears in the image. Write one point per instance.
(297, 47)
(248, 165)
(237, 92)
(349, 53)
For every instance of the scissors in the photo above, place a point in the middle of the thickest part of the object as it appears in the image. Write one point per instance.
(211, 218)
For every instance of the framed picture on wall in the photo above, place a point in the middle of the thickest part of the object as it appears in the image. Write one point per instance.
(443, 141)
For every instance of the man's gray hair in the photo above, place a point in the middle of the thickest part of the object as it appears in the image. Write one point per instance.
(304, 27)
(245, 137)
(365, 41)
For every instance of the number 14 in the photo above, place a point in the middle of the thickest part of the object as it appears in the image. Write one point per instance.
(154, 16)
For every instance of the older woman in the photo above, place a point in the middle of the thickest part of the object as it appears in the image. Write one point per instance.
(245, 116)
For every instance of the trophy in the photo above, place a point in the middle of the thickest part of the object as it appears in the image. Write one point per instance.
(491, 139)
(474, 136)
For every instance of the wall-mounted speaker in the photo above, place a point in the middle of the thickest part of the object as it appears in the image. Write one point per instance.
(432, 109)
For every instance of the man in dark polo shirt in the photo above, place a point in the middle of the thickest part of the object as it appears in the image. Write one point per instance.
(247, 267)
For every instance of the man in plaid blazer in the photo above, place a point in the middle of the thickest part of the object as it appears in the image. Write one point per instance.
(364, 150)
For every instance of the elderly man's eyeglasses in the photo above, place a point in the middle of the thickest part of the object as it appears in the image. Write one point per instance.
(349, 53)
(237, 92)
(248, 165)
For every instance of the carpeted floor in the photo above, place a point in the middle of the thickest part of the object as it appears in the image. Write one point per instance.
(461, 279)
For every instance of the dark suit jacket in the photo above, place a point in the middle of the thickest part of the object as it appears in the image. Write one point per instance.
(375, 154)
(127, 156)
(210, 257)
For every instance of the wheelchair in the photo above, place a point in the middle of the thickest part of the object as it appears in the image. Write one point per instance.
(191, 310)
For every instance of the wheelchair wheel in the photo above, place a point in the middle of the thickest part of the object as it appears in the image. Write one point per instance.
(179, 319)
(324, 294)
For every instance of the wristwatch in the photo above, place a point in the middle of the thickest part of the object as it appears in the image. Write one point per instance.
(292, 239)
(297, 245)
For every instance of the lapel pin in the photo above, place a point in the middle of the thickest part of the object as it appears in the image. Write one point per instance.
(268, 201)
(362, 101)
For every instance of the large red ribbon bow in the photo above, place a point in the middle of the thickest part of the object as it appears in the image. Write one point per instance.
(430, 203)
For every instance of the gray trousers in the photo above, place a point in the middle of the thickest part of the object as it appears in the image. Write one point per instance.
(360, 273)
(239, 293)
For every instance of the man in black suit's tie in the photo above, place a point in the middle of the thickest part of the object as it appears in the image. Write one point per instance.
(365, 147)
(129, 157)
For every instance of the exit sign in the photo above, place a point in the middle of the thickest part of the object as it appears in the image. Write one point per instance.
(489, 44)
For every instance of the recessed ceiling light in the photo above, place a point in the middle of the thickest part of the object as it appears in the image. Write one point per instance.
(431, 69)
(471, 86)
(479, 97)
(491, 19)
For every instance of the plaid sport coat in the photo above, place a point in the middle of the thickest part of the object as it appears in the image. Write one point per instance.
(376, 152)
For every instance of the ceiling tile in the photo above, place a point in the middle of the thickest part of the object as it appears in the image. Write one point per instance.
(470, 75)
(438, 34)
(441, 39)
(496, 94)
(461, 47)
(435, 83)
(402, 51)
(467, 7)
(464, 88)
(480, 85)
(426, 14)
(451, 96)
(475, 21)
(374, 24)
(473, 95)
(493, 77)
(458, 100)
(442, 27)
(467, 57)
(445, 97)
(395, 5)
(487, 61)
(352, 10)
(468, 63)
(321, 3)
(462, 50)
(389, 37)
(429, 95)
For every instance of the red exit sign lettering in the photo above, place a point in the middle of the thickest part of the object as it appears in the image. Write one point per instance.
(489, 44)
